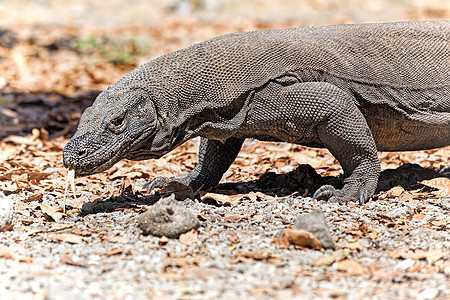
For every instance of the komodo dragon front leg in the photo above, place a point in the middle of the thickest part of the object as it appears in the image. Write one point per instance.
(305, 113)
(214, 159)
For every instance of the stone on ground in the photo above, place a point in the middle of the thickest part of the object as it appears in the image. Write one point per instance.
(167, 217)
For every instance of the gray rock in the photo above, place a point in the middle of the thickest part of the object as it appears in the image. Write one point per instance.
(6, 210)
(169, 218)
(445, 203)
(400, 212)
(315, 223)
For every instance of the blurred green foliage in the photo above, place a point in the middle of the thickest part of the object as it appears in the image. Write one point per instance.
(127, 50)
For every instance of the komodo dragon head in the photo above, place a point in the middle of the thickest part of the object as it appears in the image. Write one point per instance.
(121, 123)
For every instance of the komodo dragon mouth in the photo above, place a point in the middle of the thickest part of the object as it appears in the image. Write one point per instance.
(87, 157)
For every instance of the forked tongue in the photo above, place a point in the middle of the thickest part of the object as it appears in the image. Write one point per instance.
(69, 179)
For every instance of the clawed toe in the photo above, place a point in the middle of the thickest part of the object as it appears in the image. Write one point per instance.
(330, 194)
(157, 182)
(325, 192)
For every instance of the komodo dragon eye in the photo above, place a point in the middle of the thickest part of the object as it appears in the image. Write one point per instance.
(117, 121)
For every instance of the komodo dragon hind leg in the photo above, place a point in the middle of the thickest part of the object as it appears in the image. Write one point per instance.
(214, 159)
(340, 127)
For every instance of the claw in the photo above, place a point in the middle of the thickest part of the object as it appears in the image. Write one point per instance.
(157, 182)
(330, 194)
(325, 192)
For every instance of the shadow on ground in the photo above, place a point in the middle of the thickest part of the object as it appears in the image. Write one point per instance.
(302, 181)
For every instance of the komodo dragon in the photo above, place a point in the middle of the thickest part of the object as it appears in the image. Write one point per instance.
(350, 88)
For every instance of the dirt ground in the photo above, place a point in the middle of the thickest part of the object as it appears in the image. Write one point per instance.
(56, 56)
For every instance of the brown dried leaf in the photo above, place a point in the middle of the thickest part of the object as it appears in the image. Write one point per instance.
(53, 212)
(189, 237)
(69, 261)
(234, 218)
(204, 273)
(67, 237)
(440, 223)
(117, 239)
(350, 266)
(37, 176)
(6, 176)
(327, 293)
(440, 183)
(34, 197)
(5, 253)
(300, 237)
(253, 196)
(181, 262)
(220, 199)
(419, 216)
(258, 255)
(181, 191)
(169, 276)
(430, 255)
(396, 191)
(114, 251)
(281, 242)
(82, 232)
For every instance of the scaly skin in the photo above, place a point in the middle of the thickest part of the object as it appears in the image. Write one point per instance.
(352, 89)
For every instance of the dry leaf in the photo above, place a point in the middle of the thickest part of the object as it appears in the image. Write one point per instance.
(327, 293)
(372, 233)
(220, 199)
(114, 251)
(181, 262)
(355, 245)
(181, 191)
(53, 212)
(169, 276)
(300, 237)
(67, 237)
(350, 266)
(37, 176)
(234, 218)
(189, 237)
(282, 242)
(419, 216)
(430, 255)
(69, 261)
(440, 223)
(253, 196)
(117, 239)
(23, 258)
(203, 273)
(34, 197)
(440, 183)
(255, 255)
(395, 192)
(82, 232)
(5, 253)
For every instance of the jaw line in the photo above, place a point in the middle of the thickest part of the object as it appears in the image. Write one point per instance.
(127, 147)
(118, 155)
